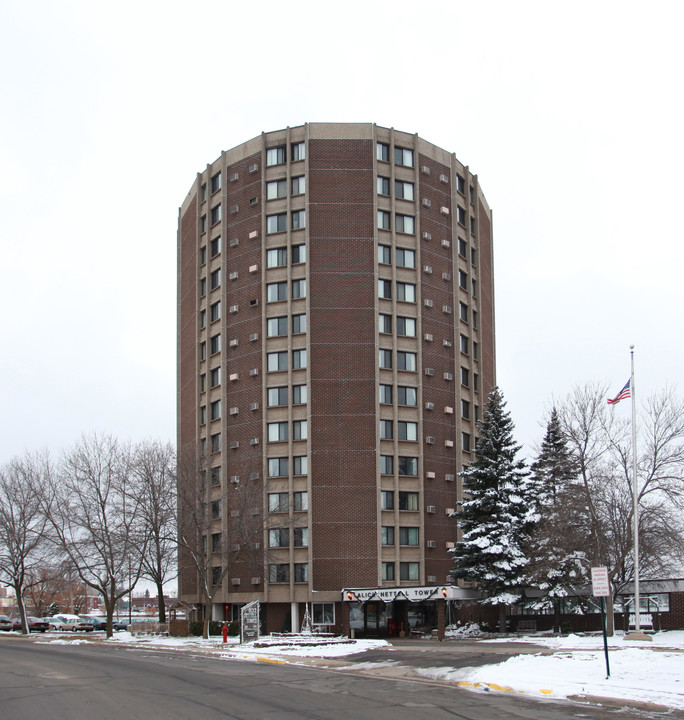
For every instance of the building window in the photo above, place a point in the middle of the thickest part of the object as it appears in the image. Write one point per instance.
(276, 361)
(383, 220)
(301, 572)
(276, 223)
(277, 432)
(409, 571)
(203, 287)
(216, 476)
(203, 192)
(276, 156)
(298, 324)
(276, 189)
(386, 359)
(215, 410)
(388, 571)
(383, 152)
(406, 326)
(278, 467)
(407, 430)
(408, 501)
(216, 575)
(215, 344)
(203, 415)
(463, 312)
(202, 351)
(403, 156)
(384, 255)
(276, 396)
(279, 573)
(301, 501)
(387, 500)
(460, 215)
(215, 246)
(385, 289)
(298, 289)
(216, 443)
(216, 510)
(476, 382)
(406, 292)
(215, 279)
(408, 536)
(403, 190)
(387, 535)
(216, 183)
(386, 429)
(385, 394)
(298, 219)
(462, 248)
(405, 224)
(299, 359)
(465, 377)
(473, 256)
(462, 280)
(475, 319)
(386, 465)
(276, 257)
(202, 382)
(300, 465)
(323, 613)
(465, 442)
(460, 184)
(383, 185)
(301, 537)
(276, 326)
(385, 323)
(299, 395)
(465, 409)
(276, 292)
(476, 351)
(215, 377)
(298, 151)
(473, 288)
(203, 255)
(279, 537)
(215, 311)
(408, 466)
(298, 254)
(202, 319)
(299, 430)
(406, 361)
(407, 396)
(464, 344)
(216, 214)
(278, 502)
(406, 258)
(298, 185)
(203, 224)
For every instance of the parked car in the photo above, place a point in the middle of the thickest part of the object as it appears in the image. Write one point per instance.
(34, 624)
(98, 623)
(71, 623)
(6, 623)
(120, 625)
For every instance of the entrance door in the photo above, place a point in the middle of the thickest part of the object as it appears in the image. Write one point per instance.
(375, 619)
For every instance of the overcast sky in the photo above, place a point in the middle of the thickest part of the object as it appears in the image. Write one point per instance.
(570, 114)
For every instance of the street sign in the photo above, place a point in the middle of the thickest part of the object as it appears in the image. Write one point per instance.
(600, 586)
(249, 622)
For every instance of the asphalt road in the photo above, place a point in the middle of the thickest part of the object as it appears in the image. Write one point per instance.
(103, 682)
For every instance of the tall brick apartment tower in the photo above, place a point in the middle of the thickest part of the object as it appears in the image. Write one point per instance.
(335, 348)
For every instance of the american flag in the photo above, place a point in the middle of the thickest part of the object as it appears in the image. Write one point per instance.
(622, 395)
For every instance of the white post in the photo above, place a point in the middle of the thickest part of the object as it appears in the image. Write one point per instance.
(637, 602)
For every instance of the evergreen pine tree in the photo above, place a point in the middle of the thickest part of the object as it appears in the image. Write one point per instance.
(497, 513)
(557, 560)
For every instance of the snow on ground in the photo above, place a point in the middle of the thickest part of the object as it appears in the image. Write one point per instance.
(639, 671)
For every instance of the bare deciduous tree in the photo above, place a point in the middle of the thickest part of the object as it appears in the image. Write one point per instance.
(93, 505)
(22, 541)
(154, 467)
(601, 443)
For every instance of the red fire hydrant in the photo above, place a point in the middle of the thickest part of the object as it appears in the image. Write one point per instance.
(225, 633)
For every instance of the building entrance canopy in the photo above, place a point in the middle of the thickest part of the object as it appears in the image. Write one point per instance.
(412, 594)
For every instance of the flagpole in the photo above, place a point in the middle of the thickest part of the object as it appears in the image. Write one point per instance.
(637, 601)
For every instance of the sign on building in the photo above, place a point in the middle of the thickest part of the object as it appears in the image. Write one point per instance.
(249, 622)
